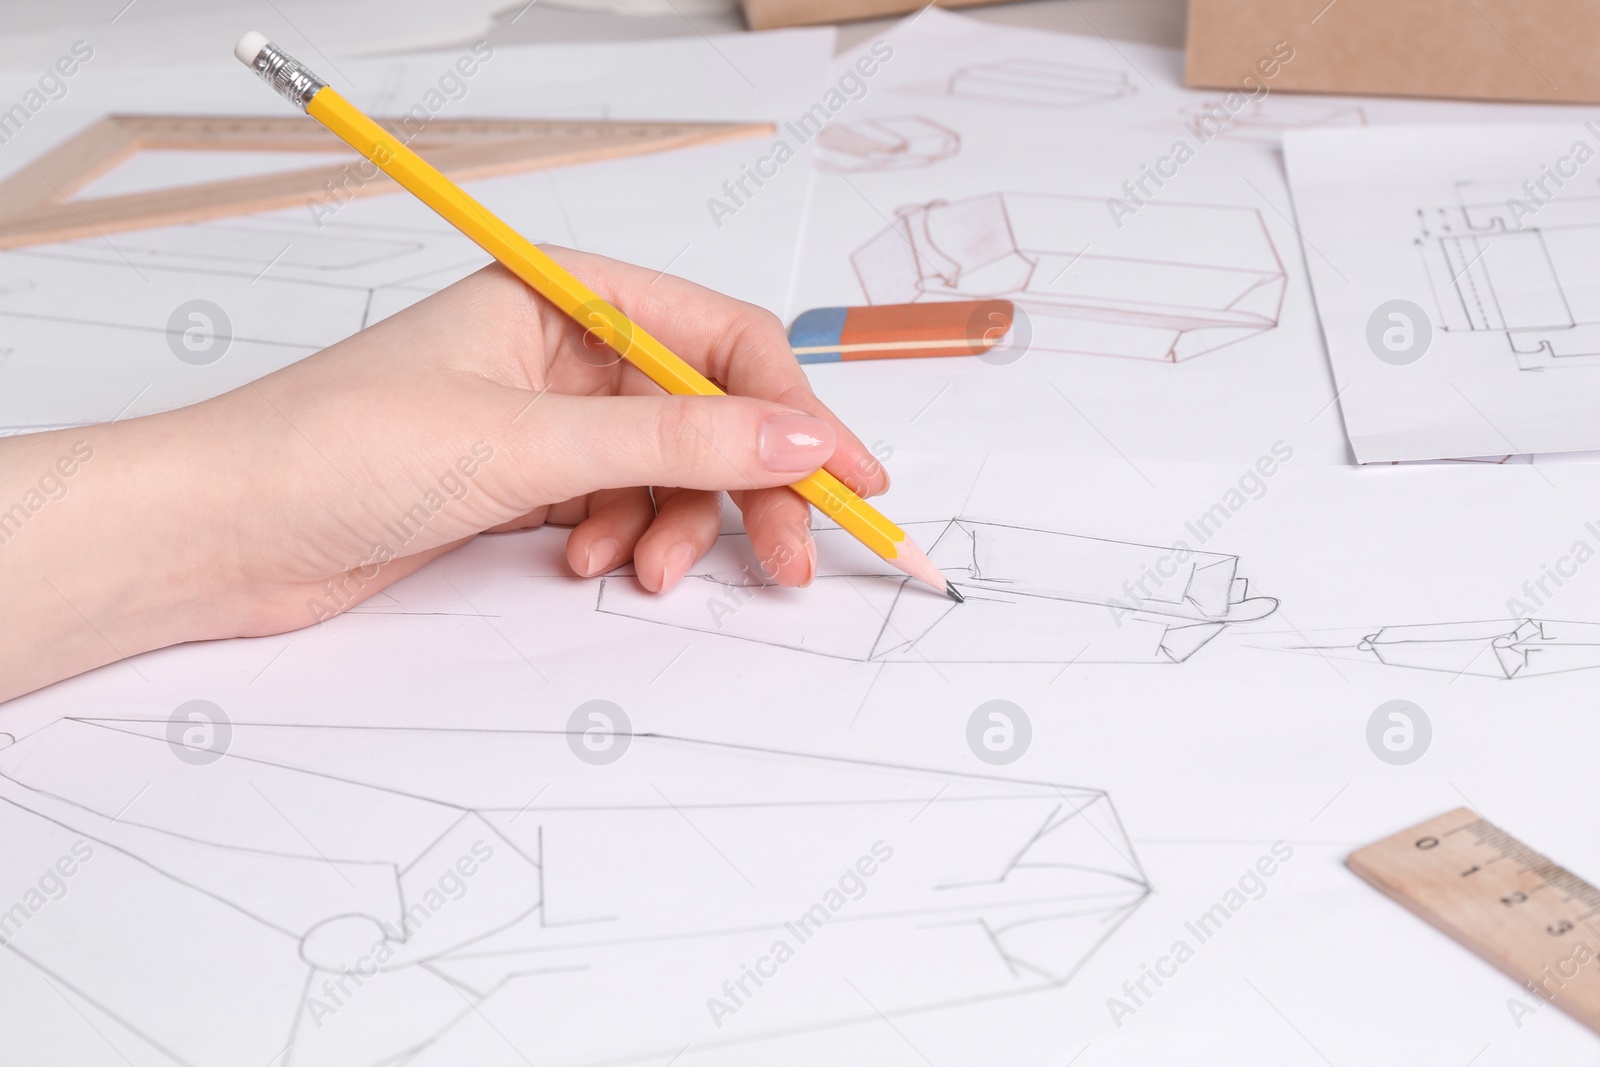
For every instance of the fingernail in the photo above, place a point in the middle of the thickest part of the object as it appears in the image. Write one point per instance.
(875, 470)
(811, 562)
(602, 556)
(796, 442)
(680, 557)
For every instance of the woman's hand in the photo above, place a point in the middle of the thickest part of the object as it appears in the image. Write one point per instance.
(481, 408)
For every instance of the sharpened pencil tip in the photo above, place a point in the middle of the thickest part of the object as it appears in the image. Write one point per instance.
(909, 558)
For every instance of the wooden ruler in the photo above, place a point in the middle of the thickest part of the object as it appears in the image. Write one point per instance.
(1535, 920)
(38, 205)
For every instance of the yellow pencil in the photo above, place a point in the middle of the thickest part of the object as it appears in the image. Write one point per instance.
(557, 285)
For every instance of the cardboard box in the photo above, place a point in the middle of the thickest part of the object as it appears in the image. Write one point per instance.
(1477, 49)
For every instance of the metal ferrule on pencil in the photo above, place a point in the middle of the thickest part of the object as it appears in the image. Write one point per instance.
(287, 75)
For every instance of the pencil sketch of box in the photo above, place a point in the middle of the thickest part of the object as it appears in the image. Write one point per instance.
(1535, 280)
(1178, 281)
(1514, 648)
(1033, 596)
(1266, 119)
(451, 910)
(898, 142)
(1040, 82)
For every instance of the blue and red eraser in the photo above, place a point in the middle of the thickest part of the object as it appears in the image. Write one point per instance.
(900, 331)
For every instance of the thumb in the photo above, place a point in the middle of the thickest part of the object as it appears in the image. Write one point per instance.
(579, 444)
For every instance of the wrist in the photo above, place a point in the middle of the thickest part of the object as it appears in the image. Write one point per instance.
(99, 553)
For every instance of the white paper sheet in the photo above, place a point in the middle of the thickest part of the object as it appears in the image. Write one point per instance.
(1458, 281)
(288, 286)
(1195, 717)
(985, 161)
(363, 741)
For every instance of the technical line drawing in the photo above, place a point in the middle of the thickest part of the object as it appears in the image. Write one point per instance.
(899, 142)
(338, 278)
(1267, 119)
(292, 282)
(1177, 281)
(1032, 82)
(488, 887)
(1032, 596)
(1501, 268)
(1507, 649)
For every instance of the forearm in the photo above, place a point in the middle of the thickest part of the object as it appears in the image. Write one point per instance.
(97, 560)
(308, 490)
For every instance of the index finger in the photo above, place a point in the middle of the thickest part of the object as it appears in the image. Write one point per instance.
(741, 347)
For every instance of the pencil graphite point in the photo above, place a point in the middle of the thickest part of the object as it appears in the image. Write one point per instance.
(954, 594)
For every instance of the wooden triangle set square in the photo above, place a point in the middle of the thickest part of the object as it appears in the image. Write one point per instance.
(39, 209)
